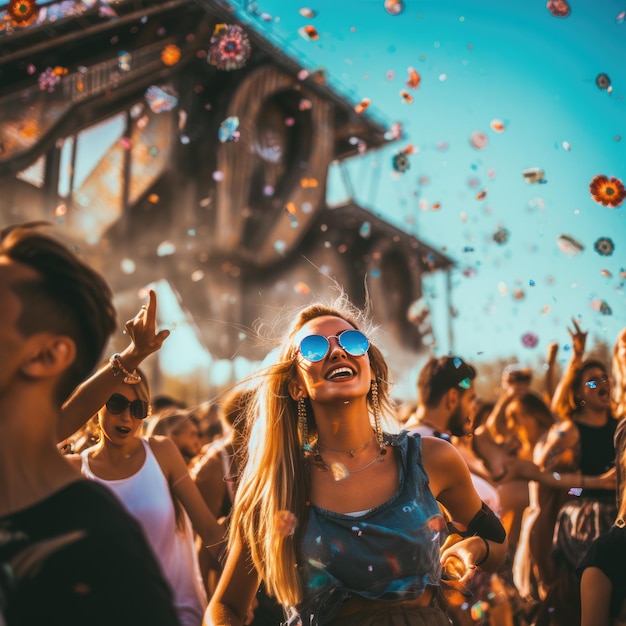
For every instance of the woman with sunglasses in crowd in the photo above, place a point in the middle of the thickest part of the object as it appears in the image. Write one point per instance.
(149, 476)
(582, 441)
(338, 517)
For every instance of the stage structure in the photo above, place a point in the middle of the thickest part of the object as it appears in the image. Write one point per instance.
(172, 142)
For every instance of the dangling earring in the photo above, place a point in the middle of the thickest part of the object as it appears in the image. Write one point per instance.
(376, 410)
(303, 425)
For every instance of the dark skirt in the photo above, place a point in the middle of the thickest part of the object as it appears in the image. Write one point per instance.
(395, 616)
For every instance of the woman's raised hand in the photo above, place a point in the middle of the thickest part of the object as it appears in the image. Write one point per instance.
(579, 339)
(142, 330)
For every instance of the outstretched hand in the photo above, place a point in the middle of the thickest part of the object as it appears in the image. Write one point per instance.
(142, 330)
(579, 339)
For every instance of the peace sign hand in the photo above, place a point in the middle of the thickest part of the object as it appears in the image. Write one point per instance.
(579, 339)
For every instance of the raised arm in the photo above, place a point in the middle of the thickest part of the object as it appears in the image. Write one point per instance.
(560, 400)
(496, 422)
(92, 394)
(550, 374)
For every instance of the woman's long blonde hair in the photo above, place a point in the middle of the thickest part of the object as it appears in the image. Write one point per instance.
(276, 476)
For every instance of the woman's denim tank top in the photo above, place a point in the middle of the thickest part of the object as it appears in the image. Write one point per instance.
(388, 553)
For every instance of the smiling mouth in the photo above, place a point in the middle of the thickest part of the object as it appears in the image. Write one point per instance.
(340, 373)
(122, 430)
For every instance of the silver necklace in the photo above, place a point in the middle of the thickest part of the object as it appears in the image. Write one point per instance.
(351, 451)
(339, 470)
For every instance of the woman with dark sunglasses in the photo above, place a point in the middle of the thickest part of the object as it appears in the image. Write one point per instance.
(150, 477)
(337, 516)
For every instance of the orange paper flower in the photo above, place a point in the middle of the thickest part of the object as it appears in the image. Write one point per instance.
(22, 12)
(170, 55)
(607, 191)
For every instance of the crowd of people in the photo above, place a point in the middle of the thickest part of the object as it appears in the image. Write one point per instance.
(307, 494)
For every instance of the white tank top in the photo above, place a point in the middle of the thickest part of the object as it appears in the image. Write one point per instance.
(146, 496)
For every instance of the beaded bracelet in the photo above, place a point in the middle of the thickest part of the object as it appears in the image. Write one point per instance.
(481, 561)
(130, 378)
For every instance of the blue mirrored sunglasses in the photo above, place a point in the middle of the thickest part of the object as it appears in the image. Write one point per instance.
(594, 383)
(315, 347)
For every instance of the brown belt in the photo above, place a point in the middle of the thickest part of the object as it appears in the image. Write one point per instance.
(356, 604)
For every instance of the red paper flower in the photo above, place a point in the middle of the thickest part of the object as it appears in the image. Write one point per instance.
(22, 12)
(607, 191)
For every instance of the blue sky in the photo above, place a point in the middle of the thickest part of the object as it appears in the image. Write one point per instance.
(478, 62)
(481, 61)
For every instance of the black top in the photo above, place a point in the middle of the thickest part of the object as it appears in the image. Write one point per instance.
(597, 454)
(78, 558)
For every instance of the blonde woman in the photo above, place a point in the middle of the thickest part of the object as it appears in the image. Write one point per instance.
(150, 478)
(339, 519)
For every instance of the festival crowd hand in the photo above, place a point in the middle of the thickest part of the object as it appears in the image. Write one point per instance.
(457, 560)
(553, 349)
(579, 339)
(142, 332)
(286, 523)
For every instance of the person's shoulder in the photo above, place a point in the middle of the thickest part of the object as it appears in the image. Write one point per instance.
(160, 442)
(82, 496)
(209, 465)
(83, 551)
(164, 449)
(441, 456)
(565, 432)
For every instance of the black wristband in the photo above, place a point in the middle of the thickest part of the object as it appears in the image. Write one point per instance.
(488, 551)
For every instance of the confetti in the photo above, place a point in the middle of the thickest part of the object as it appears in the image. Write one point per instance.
(229, 47)
(309, 33)
(160, 100)
(166, 248)
(603, 82)
(394, 7)
(170, 55)
(558, 8)
(497, 126)
(128, 266)
(501, 236)
(414, 78)
(534, 175)
(529, 340)
(362, 106)
(400, 162)
(604, 246)
(479, 140)
(568, 245)
(229, 129)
